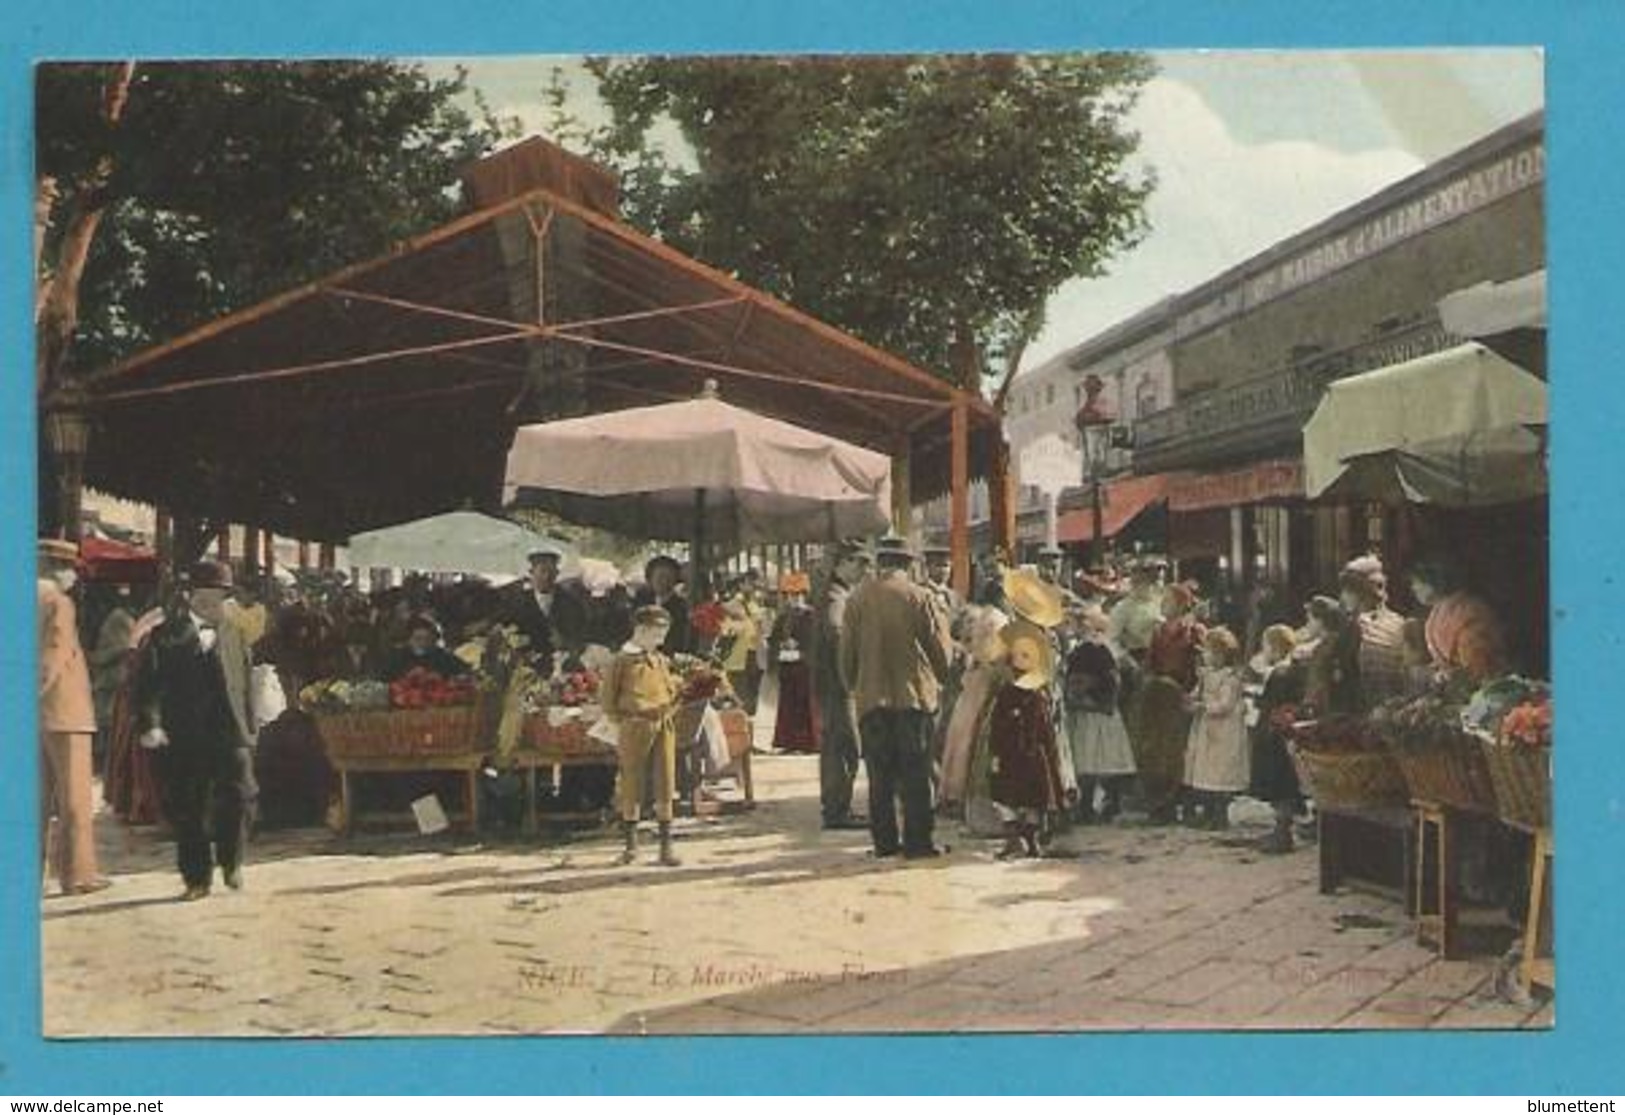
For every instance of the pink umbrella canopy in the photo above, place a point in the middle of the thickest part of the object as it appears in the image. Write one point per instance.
(659, 472)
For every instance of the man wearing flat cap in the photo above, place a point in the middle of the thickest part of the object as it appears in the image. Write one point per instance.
(549, 615)
(67, 726)
(194, 707)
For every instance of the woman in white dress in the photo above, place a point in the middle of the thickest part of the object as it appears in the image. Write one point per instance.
(1216, 759)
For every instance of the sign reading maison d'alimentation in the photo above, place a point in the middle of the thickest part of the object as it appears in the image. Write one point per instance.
(1453, 198)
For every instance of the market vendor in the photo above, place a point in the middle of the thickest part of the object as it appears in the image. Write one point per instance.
(661, 576)
(1464, 634)
(548, 614)
(423, 652)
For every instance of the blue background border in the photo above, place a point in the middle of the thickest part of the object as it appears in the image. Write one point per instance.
(1585, 129)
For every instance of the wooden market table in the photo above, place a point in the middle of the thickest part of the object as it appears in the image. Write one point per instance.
(528, 759)
(469, 765)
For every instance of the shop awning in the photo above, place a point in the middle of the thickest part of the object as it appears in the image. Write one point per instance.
(1462, 427)
(115, 562)
(1122, 501)
(1486, 309)
(1257, 483)
(1508, 318)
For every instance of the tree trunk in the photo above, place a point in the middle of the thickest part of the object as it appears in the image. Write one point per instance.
(57, 301)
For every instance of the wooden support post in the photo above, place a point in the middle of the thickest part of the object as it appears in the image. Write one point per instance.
(1001, 490)
(329, 556)
(252, 559)
(901, 500)
(959, 498)
(304, 554)
(163, 541)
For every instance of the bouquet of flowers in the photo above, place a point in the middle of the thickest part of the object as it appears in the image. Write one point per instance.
(575, 688)
(702, 681)
(344, 696)
(421, 688)
(1528, 724)
(1485, 714)
(707, 619)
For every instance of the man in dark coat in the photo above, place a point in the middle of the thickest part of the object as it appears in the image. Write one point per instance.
(553, 618)
(194, 707)
(839, 751)
(556, 621)
(661, 576)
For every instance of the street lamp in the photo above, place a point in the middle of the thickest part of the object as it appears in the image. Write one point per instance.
(1094, 423)
(67, 436)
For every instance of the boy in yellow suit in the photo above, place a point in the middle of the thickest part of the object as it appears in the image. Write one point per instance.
(639, 695)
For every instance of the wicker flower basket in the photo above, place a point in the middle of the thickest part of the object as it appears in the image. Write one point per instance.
(1522, 777)
(1447, 769)
(567, 738)
(1348, 780)
(400, 733)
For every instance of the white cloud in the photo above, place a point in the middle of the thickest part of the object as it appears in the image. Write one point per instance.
(1218, 202)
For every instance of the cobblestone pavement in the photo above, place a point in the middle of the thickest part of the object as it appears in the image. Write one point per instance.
(769, 926)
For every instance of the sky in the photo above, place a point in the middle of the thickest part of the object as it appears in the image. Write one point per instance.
(1248, 149)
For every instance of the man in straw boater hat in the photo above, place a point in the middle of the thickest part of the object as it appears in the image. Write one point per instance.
(67, 726)
(640, 693)
(194, 707)
(894, 657)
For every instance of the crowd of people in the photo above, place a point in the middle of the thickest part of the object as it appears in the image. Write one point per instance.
(1041, 704)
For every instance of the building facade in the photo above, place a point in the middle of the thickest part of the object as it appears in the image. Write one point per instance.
(1216, 383)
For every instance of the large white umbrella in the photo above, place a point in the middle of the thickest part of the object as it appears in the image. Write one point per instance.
(1462, 427)
(700, 470)
(455, 542)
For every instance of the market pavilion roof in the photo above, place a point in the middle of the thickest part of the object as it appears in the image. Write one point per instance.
(390, 390)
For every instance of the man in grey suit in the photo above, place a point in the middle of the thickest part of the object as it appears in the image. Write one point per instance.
(894, 658)
(194, 707)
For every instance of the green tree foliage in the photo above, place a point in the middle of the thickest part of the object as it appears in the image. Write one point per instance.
(224, 183)
(930, 205)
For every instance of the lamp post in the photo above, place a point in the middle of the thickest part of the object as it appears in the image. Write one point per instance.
(67, 436)
(1094, 423)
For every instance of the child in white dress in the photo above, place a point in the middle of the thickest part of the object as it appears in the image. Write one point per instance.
(1216, 758)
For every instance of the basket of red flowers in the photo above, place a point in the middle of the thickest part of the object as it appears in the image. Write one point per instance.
(1520, 762)
(1343, 764)
(428, 715)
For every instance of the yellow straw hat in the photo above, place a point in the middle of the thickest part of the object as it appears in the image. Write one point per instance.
(1033, 599)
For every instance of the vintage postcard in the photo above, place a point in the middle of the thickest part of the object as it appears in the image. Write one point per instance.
(794, 544)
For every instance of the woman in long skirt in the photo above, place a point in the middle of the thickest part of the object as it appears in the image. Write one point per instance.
(1162, 720)
(1274, 780)
(966, 757)
(794, 726)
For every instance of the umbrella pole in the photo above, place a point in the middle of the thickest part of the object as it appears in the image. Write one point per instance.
(697, 550)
